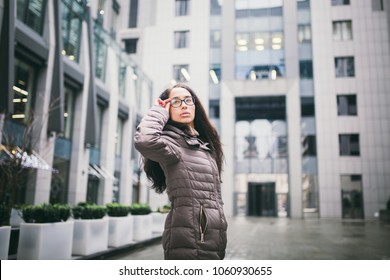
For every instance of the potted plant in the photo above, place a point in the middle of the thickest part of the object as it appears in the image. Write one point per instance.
(90, 233)
(120, 230)
(143, 221)
(5, 231)
(46, 232)
(159, 218)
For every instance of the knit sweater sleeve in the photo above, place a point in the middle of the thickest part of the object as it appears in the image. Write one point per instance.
(148, 139)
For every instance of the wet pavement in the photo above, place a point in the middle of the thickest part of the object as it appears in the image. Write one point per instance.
(252, 238)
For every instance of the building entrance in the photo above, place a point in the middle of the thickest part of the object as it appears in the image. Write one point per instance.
(261, 200)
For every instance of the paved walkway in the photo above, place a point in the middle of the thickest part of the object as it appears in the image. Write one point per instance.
(251, 238)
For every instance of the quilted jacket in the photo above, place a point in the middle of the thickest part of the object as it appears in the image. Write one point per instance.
(196, 226)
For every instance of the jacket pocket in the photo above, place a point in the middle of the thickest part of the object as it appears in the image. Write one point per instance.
(202, 223)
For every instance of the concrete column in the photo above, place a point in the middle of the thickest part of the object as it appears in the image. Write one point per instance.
(227, 107)
(293, 108)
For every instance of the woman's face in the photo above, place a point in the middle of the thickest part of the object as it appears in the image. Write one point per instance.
(182, 108)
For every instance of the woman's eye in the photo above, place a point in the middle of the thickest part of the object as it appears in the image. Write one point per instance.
(175, 102)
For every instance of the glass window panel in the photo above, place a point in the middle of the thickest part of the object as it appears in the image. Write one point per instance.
(181, 73)
(182, 7)
(32, 13)
(309, 146)
(122, 78)
(340, 2)
(118, 137)
(215, 38)
(304, 33)
(349, 145)
(72, 17)
(181, 39)
(215, 7)
(345, 66)
(68, 112)
(310, 193)
(100, 49)
(342, 30)
(346, 105)
(307, 107)
(306, 69)
(23, 92)
(377, 5)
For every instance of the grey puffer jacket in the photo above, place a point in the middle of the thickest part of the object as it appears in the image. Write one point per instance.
(196, 226)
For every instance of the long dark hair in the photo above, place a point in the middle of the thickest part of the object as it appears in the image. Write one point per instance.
(207, 133)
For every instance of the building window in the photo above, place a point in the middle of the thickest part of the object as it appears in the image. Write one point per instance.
(68, 112)
(310, 193)
(345, 66)
(72, 18)
(32, 13)
(304, 33)
(131, 45)
(346, 105)
(100, 49)
(352, 196)
(215, 7)
(349, 145)
(307, 107)
(133, 13)
(181, 39)
(215, 38)
(215, 73)
(181, 73)
(377, 5)
(100, 11)
(309, 146)
(122, 78)
(118, 137)
(23, 92)
(340, 2)
(306, 69)
(342, 30)
(214, 109)
(259, 55)
(182, 7)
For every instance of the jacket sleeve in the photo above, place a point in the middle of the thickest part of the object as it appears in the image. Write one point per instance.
(148, 139)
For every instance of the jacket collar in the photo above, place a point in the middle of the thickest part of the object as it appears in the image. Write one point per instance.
(190, 135)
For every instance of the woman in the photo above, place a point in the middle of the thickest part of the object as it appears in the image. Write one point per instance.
(183, 155)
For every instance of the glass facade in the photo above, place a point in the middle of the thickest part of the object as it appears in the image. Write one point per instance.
(32, 13)
(259, 40)
(62, 152)
(72, 14)
(23, 88)
(100, 46)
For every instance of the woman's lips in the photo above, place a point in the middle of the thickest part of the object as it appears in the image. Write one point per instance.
(185, 114)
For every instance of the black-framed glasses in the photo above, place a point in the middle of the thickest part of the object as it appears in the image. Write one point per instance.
(176, 102)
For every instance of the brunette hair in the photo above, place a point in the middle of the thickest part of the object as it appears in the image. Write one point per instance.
(207, 133)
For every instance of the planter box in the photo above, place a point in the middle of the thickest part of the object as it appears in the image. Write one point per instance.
(52, 241)
(90, 236)
(5, 233)
(120, 231)
(158, 222)
(142, 227)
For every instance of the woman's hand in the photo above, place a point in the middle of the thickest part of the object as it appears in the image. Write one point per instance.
(164, 103)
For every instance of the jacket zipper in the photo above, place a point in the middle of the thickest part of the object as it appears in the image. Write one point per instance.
(202, 230)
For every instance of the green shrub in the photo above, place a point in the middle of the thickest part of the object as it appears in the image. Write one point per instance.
(85, 211)
(46, 213)
(117, 210)
(140, 209)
